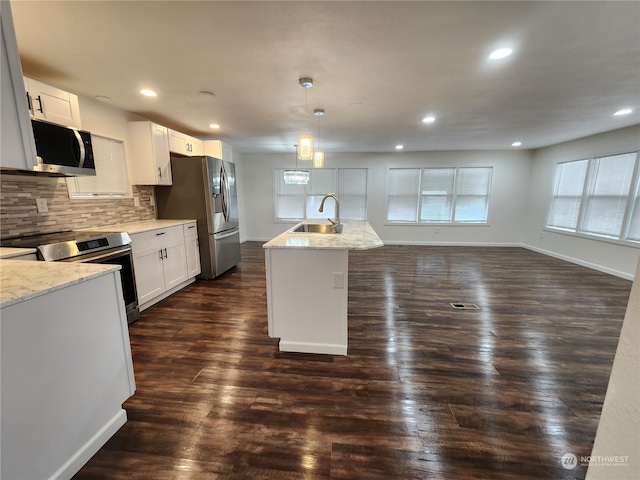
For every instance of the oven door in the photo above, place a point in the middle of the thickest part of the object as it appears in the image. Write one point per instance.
(124, 258)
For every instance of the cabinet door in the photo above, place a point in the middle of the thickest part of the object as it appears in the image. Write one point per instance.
(195, 147)
(178, 142)
(149, 271)
(161, 157)
(18, 149)
(175, 263)
(193, 256)
(52, 104)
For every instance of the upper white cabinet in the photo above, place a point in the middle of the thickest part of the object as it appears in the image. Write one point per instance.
(18, 149)
(183, 144)
(218, 149)
(52, 104)
(149, 158)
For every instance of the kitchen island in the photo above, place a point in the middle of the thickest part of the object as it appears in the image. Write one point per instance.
(66, 365)
(307, 286)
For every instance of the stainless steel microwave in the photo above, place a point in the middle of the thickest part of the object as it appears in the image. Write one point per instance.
(63, 150)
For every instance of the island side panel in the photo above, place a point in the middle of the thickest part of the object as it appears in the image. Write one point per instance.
(66, 370)
(306, 309)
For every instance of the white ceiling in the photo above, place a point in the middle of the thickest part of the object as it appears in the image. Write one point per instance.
(378, 68)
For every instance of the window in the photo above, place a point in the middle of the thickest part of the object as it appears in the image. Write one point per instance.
(438, 195)
(300, 202)
(597, 197)
(111, 171)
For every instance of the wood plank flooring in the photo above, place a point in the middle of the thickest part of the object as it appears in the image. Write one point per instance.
(425, 392)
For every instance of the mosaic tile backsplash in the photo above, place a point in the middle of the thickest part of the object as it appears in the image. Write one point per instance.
(19, 214)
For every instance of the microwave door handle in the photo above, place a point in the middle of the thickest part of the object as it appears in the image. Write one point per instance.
(81, 147)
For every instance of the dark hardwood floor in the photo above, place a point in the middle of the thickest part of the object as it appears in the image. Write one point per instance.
(425, 392)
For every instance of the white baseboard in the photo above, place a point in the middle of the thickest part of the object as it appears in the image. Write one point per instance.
(582, 263)
(89, 449)
(166, 294)
(307, 347)
(453, 244)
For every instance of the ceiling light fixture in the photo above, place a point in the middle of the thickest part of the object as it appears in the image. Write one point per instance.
(399, 147)
(429, 119)
(148, 93)
(305, 141)
(215, 126)
(500, 53)
(207, 94)
(623, 111)
(318, 155)
(516, 144)
(296, 177)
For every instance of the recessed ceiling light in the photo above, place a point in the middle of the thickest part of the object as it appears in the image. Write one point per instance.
(207, 94)
(399, 147)
(148, 93)
(500, 53)
(516, 144)
(623, 111)
(214, 126)
(429, 119)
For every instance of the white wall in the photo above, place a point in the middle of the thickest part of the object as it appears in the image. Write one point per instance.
(511, 170)
(608, 257)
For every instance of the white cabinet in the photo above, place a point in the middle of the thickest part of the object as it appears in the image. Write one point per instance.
(159, 261)
(218, 149)
(183, 144)
(18, 149)
(148, 154)
(192, 249)
(52, 104)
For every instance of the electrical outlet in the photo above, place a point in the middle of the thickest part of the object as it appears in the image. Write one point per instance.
(136, 201)
(41, 204)
(338, 280)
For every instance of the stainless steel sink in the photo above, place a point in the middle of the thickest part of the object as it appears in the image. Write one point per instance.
(317, 228)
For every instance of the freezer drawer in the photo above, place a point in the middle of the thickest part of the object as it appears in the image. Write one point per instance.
(227, 250)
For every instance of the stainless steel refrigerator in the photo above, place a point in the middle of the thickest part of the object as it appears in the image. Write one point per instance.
(205, 188)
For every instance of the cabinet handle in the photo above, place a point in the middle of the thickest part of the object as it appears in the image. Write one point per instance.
(40, 103)
(165, 253)
(29, 102)
(192, 226)
(160, 172)
(161, 233)
(161, 257)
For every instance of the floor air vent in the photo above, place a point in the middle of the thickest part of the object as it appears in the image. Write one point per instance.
(464, 306)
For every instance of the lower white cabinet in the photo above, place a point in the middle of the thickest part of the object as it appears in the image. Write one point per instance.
(192, 249)
(163, 261)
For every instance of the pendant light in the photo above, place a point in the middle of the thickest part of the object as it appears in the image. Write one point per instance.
(318, 155)
(305, 141)
(297, 176)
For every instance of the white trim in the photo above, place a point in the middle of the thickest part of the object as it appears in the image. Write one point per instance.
(452, 244)
(308, 347)
(69, 468)
(166, 294)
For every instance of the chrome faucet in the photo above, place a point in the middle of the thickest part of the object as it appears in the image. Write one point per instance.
(336, 224)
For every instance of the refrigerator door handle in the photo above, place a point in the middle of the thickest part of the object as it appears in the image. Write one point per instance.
(224, 189)
(225, 234)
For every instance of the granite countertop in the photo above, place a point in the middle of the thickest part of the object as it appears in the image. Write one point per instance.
(22, 280)
(10, 252)
(356, 235)
(139, 227)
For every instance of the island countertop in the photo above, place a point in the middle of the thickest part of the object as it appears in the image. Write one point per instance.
(22, 280)
(356, 235)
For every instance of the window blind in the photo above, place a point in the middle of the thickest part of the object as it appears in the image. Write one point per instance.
(567, 196)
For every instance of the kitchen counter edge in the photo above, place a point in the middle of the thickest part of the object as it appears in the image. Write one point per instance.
(141, 226)
(356, 235)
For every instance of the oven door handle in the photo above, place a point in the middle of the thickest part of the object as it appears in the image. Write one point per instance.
(105, 256)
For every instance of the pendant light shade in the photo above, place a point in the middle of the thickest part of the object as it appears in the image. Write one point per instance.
(305, 147)
(318, 159)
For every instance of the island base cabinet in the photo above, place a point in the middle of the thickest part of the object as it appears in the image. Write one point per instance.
(66, 371)
(307, 299)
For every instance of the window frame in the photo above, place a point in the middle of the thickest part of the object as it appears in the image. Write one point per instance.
(420, 196)
(587, 195)
(277, 175)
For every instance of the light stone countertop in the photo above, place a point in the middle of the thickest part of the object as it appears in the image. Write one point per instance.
(10, 252)
(139, 227)
(356, 235)
(22, 280)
